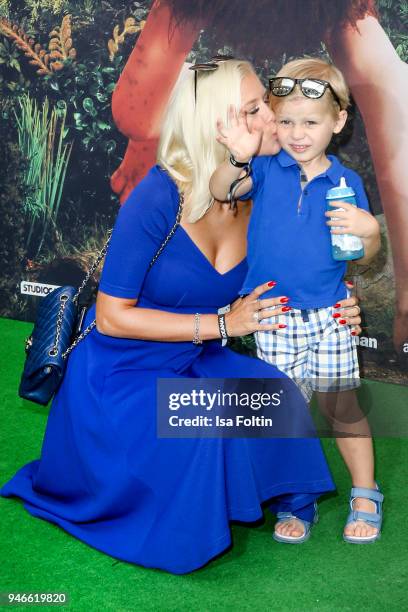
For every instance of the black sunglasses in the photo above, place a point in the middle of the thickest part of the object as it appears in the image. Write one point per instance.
(210, 66)
(311, 88)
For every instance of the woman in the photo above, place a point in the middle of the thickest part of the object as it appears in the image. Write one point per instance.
(104, 475)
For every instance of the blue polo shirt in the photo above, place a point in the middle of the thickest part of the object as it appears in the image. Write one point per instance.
(288, 239)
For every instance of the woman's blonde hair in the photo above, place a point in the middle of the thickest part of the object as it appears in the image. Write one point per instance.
(316, 68)
(188, 149)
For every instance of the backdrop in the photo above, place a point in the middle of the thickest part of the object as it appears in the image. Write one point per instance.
(83, 87)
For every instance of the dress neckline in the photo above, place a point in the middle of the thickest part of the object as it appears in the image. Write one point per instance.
(170, 180)
(205, 258)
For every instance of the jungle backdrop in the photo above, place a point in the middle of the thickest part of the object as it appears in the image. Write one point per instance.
(59, 146)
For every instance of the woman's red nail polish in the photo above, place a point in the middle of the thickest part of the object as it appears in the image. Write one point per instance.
(271, 283)
(284, 300)
(337, 305)
(342, 321)
(336, 315)
(286, 308)
(349, 283)
(281, 326)
(353, 333)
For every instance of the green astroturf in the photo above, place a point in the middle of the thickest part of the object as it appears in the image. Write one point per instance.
(256, 574)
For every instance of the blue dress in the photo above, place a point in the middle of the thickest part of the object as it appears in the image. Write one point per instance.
(104, 476)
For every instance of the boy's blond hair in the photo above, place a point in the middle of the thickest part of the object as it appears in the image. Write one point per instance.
(315, 68)
(188, 148)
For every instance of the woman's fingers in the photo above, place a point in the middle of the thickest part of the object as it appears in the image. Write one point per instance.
(260, 289)
(269, 326)
(349, 311)
(281, 300)
(352, 320)
(247, 314)
(268, 307)
(267, 313)
(350, 301)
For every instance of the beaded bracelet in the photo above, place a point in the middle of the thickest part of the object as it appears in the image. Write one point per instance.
(196, 337)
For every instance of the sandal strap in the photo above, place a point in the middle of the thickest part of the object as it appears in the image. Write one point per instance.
(284, 515)
(368, 517)
(371, 494)
(288, 516)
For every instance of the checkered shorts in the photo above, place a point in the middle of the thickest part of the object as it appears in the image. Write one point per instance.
(314, 350)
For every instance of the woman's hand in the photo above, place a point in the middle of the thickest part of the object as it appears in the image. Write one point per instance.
(241, 143)
(246, 314)
(347, 312)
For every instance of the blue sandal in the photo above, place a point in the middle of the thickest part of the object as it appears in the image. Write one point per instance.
(371, 518)
(284, 517)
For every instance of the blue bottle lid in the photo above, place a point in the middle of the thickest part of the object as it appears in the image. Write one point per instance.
(340, 192)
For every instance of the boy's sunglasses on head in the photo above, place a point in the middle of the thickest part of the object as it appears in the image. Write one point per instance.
(311, 88)
(210, 66)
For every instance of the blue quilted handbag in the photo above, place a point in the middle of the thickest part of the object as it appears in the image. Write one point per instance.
(50, 338)
(57, 330)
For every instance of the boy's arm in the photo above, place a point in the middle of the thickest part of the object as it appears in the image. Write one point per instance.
(242, 146)
(371, 240)
(359, 222)
(222, 179)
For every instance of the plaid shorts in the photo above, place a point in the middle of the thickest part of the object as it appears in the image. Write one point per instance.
(314, 350)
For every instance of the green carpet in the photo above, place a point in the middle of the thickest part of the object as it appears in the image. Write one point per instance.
(256, 574)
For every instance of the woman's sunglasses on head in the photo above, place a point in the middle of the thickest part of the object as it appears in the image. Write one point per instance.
(210, 66)
(311, 88)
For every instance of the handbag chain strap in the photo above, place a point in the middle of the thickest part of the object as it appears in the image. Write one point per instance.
(92, 269)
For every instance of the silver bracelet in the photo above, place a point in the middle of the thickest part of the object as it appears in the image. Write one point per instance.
(196, 337)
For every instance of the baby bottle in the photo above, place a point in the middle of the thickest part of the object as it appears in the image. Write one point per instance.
(344, 246)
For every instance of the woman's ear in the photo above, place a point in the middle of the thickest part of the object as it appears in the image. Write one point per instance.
(340, 121)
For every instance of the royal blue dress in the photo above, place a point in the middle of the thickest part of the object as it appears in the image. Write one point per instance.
(104, 476)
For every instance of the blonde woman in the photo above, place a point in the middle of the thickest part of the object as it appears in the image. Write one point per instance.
(104, 475)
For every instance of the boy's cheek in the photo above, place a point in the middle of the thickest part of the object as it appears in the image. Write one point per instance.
(280, 133)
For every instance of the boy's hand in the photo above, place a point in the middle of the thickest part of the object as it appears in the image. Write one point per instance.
(352, 220)
(237, 138)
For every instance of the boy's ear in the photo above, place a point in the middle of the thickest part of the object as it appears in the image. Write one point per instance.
(340, 122)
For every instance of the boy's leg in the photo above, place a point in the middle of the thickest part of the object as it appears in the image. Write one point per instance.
(333, 367)
(287, 350)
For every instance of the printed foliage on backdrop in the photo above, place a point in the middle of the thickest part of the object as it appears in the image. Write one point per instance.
(83, 89)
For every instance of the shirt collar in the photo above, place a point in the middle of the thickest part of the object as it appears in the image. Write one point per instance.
(334, 172)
